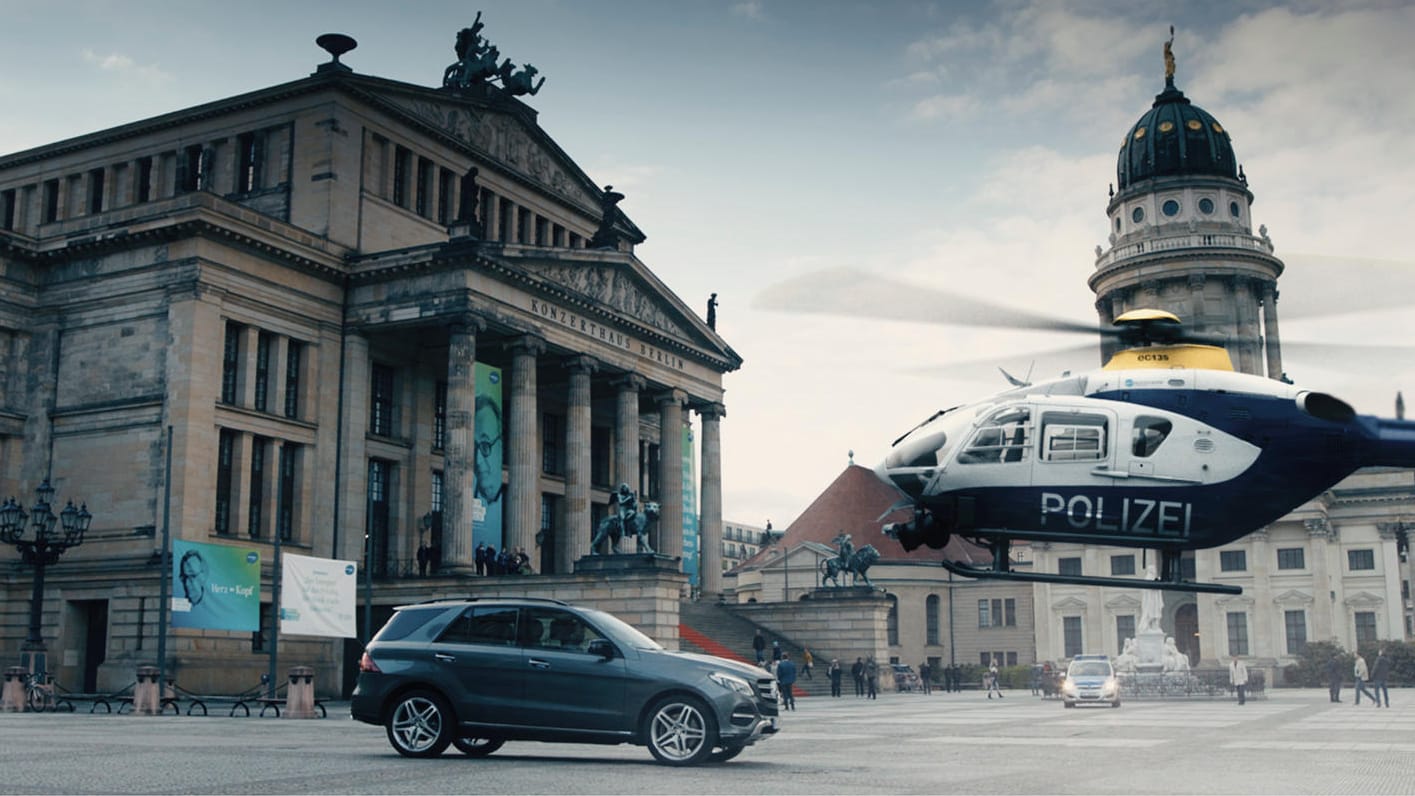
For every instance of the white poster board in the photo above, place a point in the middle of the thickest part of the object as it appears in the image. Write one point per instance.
(317, 596)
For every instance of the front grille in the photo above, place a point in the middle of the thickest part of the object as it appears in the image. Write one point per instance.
(766, 689)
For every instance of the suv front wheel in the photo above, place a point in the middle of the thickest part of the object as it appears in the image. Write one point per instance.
(420, 724)
(680, 731)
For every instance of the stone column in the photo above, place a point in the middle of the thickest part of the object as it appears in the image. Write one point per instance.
(670, 473)
(575, 541)
(245, 376)
(626, 431)
(270, 489)
(710, 528)
(522, 414)
(457, 473)
(353, 470)
(1244, 310)
(1274, 346)
(275, 377)
(1325, 558)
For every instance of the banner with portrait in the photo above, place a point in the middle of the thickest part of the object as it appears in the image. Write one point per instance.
(317, 596)
(488, 492)
(691, 555)
(215, 586)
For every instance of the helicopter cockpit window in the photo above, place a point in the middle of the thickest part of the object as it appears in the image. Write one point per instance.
(1073, 437)
(1149, 433)
(1003, 438)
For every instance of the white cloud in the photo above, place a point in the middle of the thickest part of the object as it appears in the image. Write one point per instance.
(751, 9)
(126, 67)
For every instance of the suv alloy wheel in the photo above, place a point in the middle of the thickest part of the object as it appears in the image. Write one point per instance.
(680, 731)
(420, 724)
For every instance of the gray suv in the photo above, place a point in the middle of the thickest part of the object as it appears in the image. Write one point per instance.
(475, 673)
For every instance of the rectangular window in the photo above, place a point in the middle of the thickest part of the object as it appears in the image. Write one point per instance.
(1009, 612)
(253, 506)
(1071, 635)
(7, 209)
(542, 232)
(984, 614)
(436, 498)
(599, 456)
(1233, 560)
(225, 456)
(985, 658)
(1361, 559)
(381, 406)
(1070, 437)
(552, 434)
(262, 369)
(1365, 628)
(1291, 558)
(446, 195)
(1296, 622)
(508, 221)
(231, 362)
(1124, 629)
(649, 453)
(401, 165)
(249, 155)
(931, 617)
(1122, 565)
(1011, 658)
(423, 190)
(1237, 633)
(1068, 566)
(439, 416)
(294, 352)
(51, 201)
(95, 190)
(189, 165)
(285, 499)
(380, 480)
(143, 191)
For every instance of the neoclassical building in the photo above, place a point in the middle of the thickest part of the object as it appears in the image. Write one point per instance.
(362, 317)
(1182, 240)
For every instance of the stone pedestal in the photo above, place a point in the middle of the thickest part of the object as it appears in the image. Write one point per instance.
(844, 592)
(626, 562)
(13, 700)
(299, 699)
(1149, 649)
(146, 696)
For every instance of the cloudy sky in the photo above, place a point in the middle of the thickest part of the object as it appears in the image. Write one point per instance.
(964, 146)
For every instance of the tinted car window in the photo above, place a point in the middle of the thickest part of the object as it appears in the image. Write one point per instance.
(480, 624)
(404, 622)
(547, 628)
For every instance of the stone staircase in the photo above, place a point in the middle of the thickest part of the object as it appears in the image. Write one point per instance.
(714, 629)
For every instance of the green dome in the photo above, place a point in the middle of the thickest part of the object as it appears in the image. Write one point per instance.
(1175, 138)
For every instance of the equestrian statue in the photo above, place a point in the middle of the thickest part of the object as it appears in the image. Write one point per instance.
(625, 519)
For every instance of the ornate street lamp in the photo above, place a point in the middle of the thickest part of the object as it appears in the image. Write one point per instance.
(40, 550)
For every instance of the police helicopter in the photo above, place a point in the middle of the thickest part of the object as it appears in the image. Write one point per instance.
(1165, 447)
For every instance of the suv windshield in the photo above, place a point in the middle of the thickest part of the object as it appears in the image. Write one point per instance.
(622, 631)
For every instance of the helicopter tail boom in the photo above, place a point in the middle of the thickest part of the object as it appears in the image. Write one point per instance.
(1395, 443)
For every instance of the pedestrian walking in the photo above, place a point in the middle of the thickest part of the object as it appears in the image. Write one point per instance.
(1334, 678)
(1379, 673)
(858, 672)
(993, 685)
(1362, 674)
(786, 677)
(1238, 676)
(422, 559)
(926, 676)
(775, 651)
(835, 673)
(808, 662)
(759, 647)
(957, 675)
(872, 678)
(480, 558)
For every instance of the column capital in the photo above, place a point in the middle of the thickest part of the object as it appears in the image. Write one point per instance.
(711, 411)
(581, 364)
(630, 381)
(672, 396)
(466, 322)
(527, 344)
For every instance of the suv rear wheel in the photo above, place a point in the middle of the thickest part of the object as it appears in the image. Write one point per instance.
(420, 724)
(477, 747)
(680, 731)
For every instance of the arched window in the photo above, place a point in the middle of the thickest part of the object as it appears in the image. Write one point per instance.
(893, 621)
(931, 620)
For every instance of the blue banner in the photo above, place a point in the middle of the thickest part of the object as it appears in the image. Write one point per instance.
(487, 489)
(690, 509)
(215, 587)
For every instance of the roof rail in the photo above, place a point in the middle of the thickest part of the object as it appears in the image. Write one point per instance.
(471, 599)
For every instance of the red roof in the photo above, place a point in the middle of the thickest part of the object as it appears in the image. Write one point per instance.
(853, 503)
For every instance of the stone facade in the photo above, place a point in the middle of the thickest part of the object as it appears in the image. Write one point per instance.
(281, 284)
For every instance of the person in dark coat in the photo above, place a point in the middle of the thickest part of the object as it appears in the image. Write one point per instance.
(786, 677)
(1334, 668)
(835, 673)
(858, 672)
(759, 647)
(926, 676)
(1379, 673)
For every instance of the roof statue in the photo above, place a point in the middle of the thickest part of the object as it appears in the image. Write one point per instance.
(605, 237)
(479, 62)
(1169, 57)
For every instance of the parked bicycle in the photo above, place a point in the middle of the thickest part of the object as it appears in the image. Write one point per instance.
(40, 693)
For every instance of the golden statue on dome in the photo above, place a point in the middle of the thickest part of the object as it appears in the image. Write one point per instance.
(1169, 57)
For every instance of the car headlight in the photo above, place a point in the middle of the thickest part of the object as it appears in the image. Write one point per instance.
(732, 683)
(1069, 688)
(1111, 686)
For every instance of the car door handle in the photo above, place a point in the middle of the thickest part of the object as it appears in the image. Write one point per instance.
(444, 658)
(537, 663)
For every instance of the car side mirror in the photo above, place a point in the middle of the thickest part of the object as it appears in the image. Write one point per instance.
(601, 647)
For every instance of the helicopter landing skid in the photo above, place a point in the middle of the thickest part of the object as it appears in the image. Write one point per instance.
(1001, 570)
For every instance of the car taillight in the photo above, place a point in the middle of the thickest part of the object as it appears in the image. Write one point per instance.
(366, 664)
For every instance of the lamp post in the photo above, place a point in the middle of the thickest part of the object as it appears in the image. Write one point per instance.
(42, 549)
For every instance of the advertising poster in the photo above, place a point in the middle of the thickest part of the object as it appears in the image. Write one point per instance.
(215, 587)
(488, 495)
(691, 555)
(317, 596)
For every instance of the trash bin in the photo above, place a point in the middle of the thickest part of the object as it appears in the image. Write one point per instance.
(13, 700)
(299, 698)
(146, 696)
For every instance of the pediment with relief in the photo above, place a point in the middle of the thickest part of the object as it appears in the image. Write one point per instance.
(503, 138)
(612, 286)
